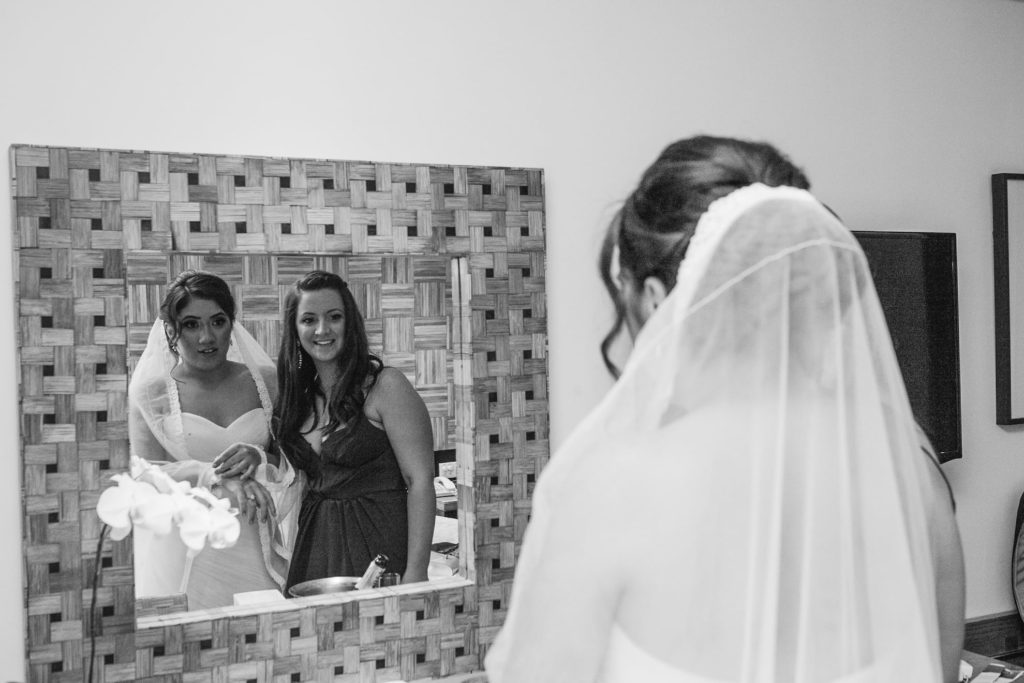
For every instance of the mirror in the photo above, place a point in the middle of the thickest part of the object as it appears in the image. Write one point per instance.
(94, 227)
(408, 310)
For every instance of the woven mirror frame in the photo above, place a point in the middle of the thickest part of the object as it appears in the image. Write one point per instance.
(447, 263)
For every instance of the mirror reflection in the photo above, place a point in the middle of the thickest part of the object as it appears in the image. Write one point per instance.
(316, 406)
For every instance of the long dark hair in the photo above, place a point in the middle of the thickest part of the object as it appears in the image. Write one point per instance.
(297, 382)
(189, 285)
(653, 228)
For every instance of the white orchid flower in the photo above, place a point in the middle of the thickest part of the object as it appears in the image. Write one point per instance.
(193, 524)
(115, 505)
(224, 527)
(150, 499)
(152, 510)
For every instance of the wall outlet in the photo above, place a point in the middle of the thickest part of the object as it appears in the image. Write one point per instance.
(447, 469)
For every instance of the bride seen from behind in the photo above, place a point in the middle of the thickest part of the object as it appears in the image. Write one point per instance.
(751, 501)
(200, 405)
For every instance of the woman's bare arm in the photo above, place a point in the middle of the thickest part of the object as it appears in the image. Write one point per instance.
(394, 403)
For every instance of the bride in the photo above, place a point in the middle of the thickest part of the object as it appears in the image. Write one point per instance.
(752, 501)
(200, 404)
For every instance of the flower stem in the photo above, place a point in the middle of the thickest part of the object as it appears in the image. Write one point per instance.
(92, 603)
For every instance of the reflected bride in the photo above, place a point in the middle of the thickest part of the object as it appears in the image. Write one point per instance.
(201, 399)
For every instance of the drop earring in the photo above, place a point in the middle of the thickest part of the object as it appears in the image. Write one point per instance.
(298, 350)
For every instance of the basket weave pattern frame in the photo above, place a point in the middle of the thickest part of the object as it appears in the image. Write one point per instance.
(97, 234)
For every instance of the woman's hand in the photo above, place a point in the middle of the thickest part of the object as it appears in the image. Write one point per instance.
(251, 498)
(238, 460)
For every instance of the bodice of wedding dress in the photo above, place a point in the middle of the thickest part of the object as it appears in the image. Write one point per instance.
(213, 577)
(185, 445)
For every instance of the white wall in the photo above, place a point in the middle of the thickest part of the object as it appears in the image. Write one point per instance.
(899, 112)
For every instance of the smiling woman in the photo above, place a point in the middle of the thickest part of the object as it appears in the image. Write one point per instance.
(362, 436)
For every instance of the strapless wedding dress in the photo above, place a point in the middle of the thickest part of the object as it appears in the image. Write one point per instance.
(215, 575)
(627, 662)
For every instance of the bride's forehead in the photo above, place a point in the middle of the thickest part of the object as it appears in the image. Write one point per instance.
(200, 308)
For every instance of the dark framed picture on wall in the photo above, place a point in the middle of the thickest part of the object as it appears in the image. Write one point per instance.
(1008, 270)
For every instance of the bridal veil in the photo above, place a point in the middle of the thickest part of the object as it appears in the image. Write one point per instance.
(751, 496)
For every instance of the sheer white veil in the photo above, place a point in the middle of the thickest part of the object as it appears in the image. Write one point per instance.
(153, 395)
(762, 420)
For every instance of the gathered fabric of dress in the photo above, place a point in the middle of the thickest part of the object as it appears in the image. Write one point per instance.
(259, 559)
(749, 502)
(354, 507)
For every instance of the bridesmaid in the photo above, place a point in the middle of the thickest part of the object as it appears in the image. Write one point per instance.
(360, 433)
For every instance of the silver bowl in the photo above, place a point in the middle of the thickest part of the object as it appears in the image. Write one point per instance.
(325, 586)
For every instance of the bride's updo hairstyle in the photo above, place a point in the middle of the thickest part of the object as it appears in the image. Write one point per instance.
(188, 285)
(650, 233)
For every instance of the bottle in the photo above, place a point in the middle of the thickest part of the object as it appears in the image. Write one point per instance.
(375, 569)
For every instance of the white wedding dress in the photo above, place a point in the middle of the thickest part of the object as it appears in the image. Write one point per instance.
(627, 661)
(158, 429)
(215, 575)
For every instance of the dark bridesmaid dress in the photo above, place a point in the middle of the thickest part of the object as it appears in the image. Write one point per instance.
(353, 509)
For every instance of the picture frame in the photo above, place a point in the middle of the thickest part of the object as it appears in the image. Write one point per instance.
(1008, 274)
